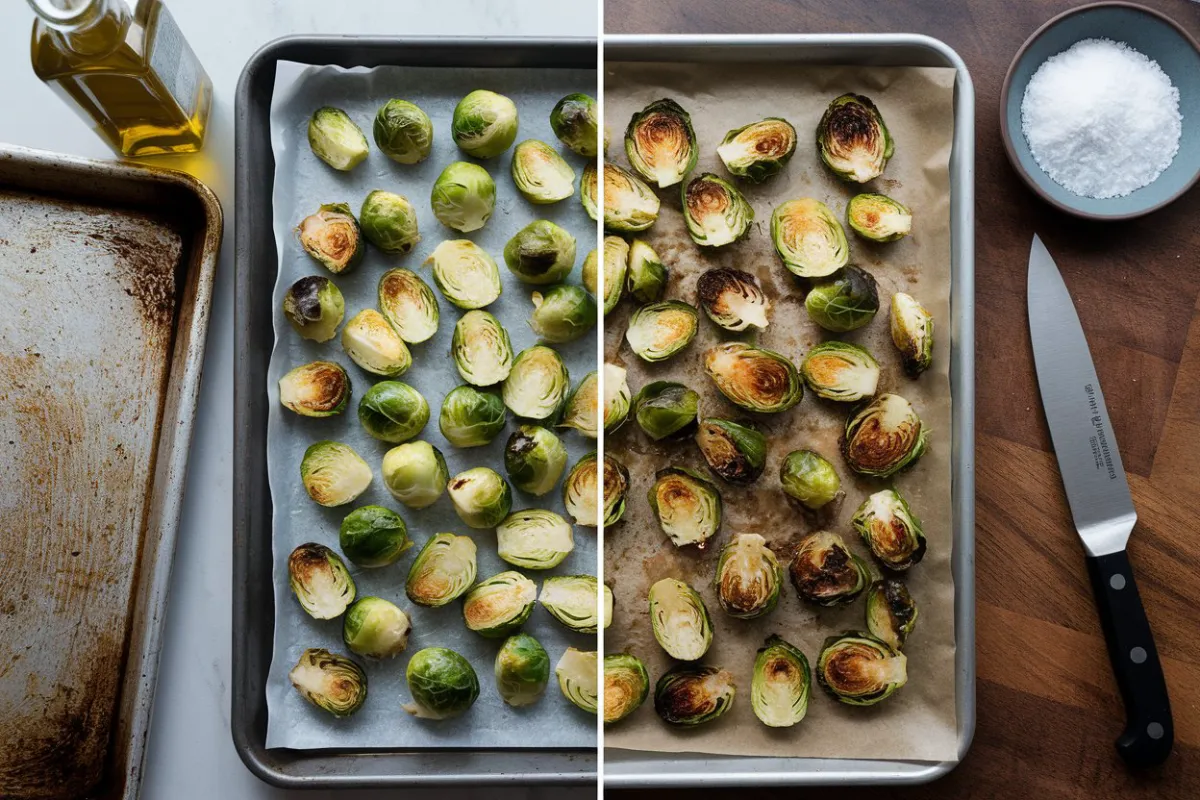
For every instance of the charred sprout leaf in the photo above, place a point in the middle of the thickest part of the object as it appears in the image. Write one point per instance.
(481, 349)
(522, 670)
(852, 139)
(883, 437)
(680, 620)
(466, 275)
(534, 539)
(442, 683)
(389, 222)
(809, 478)
(688, 507)
(912, 333)
(859, 670)
(499, 605)
(891, 612)
(617, 397)
(442, 571)
(403, 132)
(471, 418)
(540, 253)
(758, 150)
(733, 299)
(484, 124)
(646, 278)
(616, 266)
(629, 204)
(660, 143)
(481, 498)
(333, 474)
(579, 491)
(843, 302)
(335, 139)
(562, 313)
(573, 600)
(735, 453)
(540, 173)
(463, 197)
(665, 408)
(689, 694)
(393, 412)
(577, 678)
(878, 217)
(825, 572)
(716, 213)
(890, 529)
(373, 344)
(660, 330)
(373, 536)
(537, 385)
(332, 237)
(808, 238)
(409, 305)
(415, 473)
(753, 378)
(840, 371)
(626, 686)
(748, 577)
(582, 410)
(616, 484)
(535, 459)
(576, 122)
(375, 628)
(588, 189)
(320, 581)
(319, 389)
(780, 686)
(329, 681)
(314, 306)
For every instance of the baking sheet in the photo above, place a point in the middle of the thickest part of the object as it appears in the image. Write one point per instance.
(301, 184)
(918, 722)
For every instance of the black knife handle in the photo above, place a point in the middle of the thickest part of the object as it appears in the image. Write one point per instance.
(1149, 732)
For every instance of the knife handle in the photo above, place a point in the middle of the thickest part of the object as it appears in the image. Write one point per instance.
(1149, 732)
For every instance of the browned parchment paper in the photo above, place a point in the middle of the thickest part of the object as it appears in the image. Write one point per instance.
(918, 722)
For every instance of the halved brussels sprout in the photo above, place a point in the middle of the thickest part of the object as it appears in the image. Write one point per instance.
(617, 397)
(335, 139)
(780, 686)
(912, 333)
(576, 123)
(753, 378)
(840, 371)
(859, 670)
(590, 272)
(716, 213)
(499, 605)
(582, 409)
(562, 313)
(540, 253)
(332, 237)
(890, 529)
(484, 124)
(852, 139)
(735, 453)
(878, 217)
(409, 305)
(329, 681)
(660, 330)
(465, 274)
(319, 389)
(393, 412)
(629, 204)
(580, 491)
(443, 684)
(588, 187)
(481, 348)
(660, 143)
(808, 238)
(680, 620)
(389, 222)
(616, 265)
(733, 299)
(442, 571)
(333, 474)
(825, 572)
(471, 418)
(522, 670)
(665, 408)
(688, 507)
(573, 600)
(314, 306)
(891, 612)
(463, 197)
(809, 478)
(883, 437)
(320, 581)
(403, 132)
(616, 484)
(480, 496)
(748, 577)
(540, 173)
(646, 277)
(375, 628)
(373, 536)
(758, 150)
(843, 302)
(373, 344)
(626, 685)
(537, 385)
(693, 694)
(534, 539)
(577, 678)
(415, 473)
(534, 459)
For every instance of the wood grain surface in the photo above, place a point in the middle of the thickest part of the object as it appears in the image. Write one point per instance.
(1048, 709)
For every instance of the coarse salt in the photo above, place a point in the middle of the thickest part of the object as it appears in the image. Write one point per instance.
(1101, 118)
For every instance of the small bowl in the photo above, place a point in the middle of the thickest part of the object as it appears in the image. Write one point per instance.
(1153, 34)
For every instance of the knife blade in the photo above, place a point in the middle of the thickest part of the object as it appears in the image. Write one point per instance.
(1101, 505)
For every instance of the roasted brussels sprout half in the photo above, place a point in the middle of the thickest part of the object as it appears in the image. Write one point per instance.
(616, 484)
(442, 571)
(415, 473)
(852, 139)
(484, 124)
(373, 536)
(373, 344)
(481, 348)
(409, 305)
(375, 628)
(499, 605)
(748, 577)
(890, 529)
(733, 299)
(534, 539)
(403, 132)
(758, 150)
(859, 670)
(534, 459)
(540, 253)
(891, 612)
(646, 277)
(716, 213)
(690, 694)
(660, 330)
(333, 474)
(332, 237)
(809, 478)
(389, 222)
(329, 681)
(537, 385)
(540, 173)
(912, 333)
(393, 412)
(665, 408)
(616, 266)
(582, 409)
(471, 418)
(443, 684)
(825, 572)
(629, 204)
(335, 139)
(480, 496)
(808, 238)
(580, 491)
(576, 122)
(734, 452)
(562, 313)
(314, 306)
(843, 302)
(626, 686)
(660, 143)
(320, 581)
(463, 197)
(780, 685)
(688, 507)
(753, 378)
(883, 437)
(319, 389)
(840, 371)
(588, 187)
(522, 670)
(878, 217)
(577, 678)
(465, 274)
(573, 601)
(617, 397)
(679, 620)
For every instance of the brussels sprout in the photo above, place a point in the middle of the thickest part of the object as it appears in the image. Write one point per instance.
(626, 685)
(780, 686)
(688, 507)
(534, 539)
(588, 186)
(733, 299)
(415, 473)
(890, 529)
(403, 132)
(329, 681)
(660, 330)
(616, 484)
(840, 371)
(499, 605)
(572, 600)
(859, 670)
(314, 306)
(590, 272)
(629, 205)
(689, 694)
(333, 474)
(389, 222)
(335, 139)
(442, 571)
(319, 389)
(646, 277)
(748, 577)
(735, 453)
(878, 217)
(540, 253)
(540, 174)
(844, 302)
(442, 683)
(484, 124)
(912, 333)
(617, 397)
(808, 238)
(537, 385)
(679, 620)
(809, 478)
(576, 122)
(393, 412)
(373, 536)
(522, 670)
(373, 344)
(463, 197)
(716, 213)
(465, 274)
(580, 491)
(753, 378)
(577, 678)
(660, 143)
(825, 572)
(409, 305)
(582, 411)
(375, 628)
(616, 265)
(883, 437)
(665, 408)
(534, 459)
(332, 237)
(481, 497)
(320, 581)
(471, 418)
(891, 612)
(852, 139)
(562, 313)
(481, 348)
(758, 150)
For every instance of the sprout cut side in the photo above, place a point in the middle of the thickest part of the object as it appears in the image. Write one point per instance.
(582, 409)
(537, 385)
(617, 397)
(891, 612)
(629, 204)
(499, 605)
(588, 189)
(481, 349)
(883, 437)
(748, 577)
(825, 572)
(373, 536)
(540, 173)
(522, 670)
(665, 408)
(373, 344)
(843, 302)
(535, 459)
(463, 197)
(540, 253)
(688, 695)
(320, 581)
(403, 132)
(415, 473)
(615, 487)
(335, 139)
(626, 686)
(332, 237)
(808, 238)
(319, 389)
(329, 681)
(890, 529)
(578, 679)
(580, 490)
(534, 539)
(375, 628)
(616, 266)
(735, 453)
(733, 299)
(389, 222)
(442, 571)
(471, 418)
(753, 378)
(575, 120)
(780, 687)
(878, 217)
(393, 412)
(660, 330)
(484, 124)
(573, 600)
(660, 143)
(715, 212)
(688, 507)
(912, 333)
(409, 305)
(465, 274)
(859, 670)
(758, 150)
(333, 474)
(442, 683)
(840, 371)
(481, 498)
(680, 620)
(853, 140)
(809, 478)
(314, 307)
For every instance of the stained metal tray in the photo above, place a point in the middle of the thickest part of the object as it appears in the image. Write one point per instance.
(108, 272)
(625, 768)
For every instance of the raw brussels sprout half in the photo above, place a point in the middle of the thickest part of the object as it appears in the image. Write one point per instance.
(843, 302)
(537, 385)
(840, 371)
(576, 122)
(534, 459)
(660, 330)
(582, 410)
(891, 612)
(471, 418)
(415, 473)
(735, 453)
(403, 132)
(562, 313)
(852, 139)
(333, 474)
(314, 307)
(715, 212)
(629, 204)
(748, 577)
(665, 408)
(320, 581)
(335, 139)
(588, 187)
(540, 173)
(660, 143)
(540, 253)
(409, 305)
(579, 491)
(373, 344)
(375, 628)
(373, 536)
(626, 686)
(808, 238)
(878, 217)
(393, 412)
(825, 572)
(465, 274)
(753, 378)
(883, 437)
(758, 150)
(329, 681)
(573, 601)
(389, 222)
(481, 498)
(442, 683)
(733, 299)
(319, 389)
(442, 571)
(577, 678)
(809, 478)
(498, 606)
(534, 539)
(590, 272)
(332, 237)
(481, 348)
(679, 620)
(688, 507)
(688, 695)
(646, 276)
(463, 197)
(859, 670)
(484, 124)
(780, 686)
(522, 670)
(890, 529)
(617, 397)
(912, 333)
(616, 266)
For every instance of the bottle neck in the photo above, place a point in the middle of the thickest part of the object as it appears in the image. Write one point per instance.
(89, 27)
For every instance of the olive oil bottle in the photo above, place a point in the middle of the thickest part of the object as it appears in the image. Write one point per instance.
(130, 74)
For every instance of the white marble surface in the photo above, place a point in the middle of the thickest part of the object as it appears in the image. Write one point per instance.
(191, 753)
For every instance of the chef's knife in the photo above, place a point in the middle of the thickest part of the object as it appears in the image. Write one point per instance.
(1101, 506)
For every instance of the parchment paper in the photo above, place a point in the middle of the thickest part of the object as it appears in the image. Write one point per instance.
(302, 183)
(918, 722)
